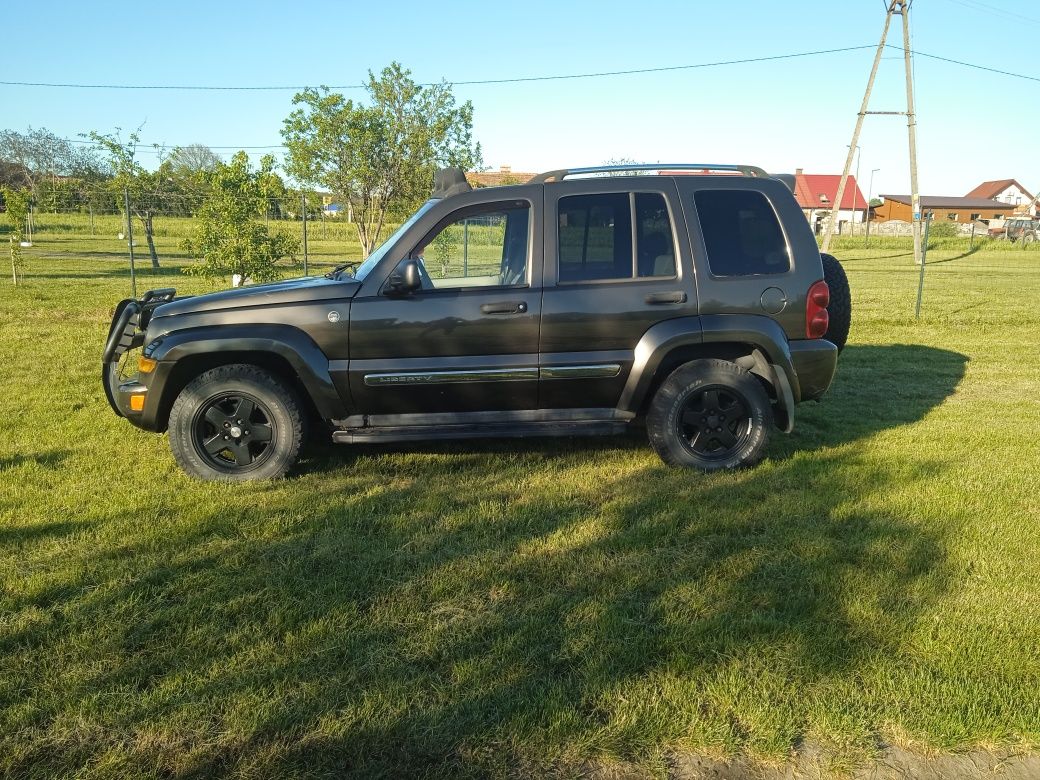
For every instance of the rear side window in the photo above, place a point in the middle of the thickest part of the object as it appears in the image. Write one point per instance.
(595, 237)
(654, 236)
(741, 233)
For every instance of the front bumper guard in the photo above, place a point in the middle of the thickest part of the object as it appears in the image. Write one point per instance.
(125, 333)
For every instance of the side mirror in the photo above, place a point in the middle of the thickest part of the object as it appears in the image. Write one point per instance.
(405, 278)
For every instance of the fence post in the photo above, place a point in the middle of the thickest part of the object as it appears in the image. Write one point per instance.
(130, 236)
(924, 257)
(303, 206)
(465, 247)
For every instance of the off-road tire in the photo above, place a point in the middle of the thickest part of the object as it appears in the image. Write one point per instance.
(277, 410)
(683, 392)
(839, 310)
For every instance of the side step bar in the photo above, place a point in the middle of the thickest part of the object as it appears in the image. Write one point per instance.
(379, 434)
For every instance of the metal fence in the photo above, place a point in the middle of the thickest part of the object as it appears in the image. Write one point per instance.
(94, 226)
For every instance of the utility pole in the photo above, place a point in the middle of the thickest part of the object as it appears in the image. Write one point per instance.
(911, 128)
(870, 192)
(855, 195)
(901, 8)
(835, 212)
(920, 275)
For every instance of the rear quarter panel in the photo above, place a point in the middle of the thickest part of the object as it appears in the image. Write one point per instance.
(743, 294)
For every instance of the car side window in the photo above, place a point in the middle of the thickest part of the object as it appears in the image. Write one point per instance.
(742, 234)
(654, 241)
(594, 235)
(484, 248)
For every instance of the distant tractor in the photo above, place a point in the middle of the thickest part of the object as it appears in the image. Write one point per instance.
(1024, 228)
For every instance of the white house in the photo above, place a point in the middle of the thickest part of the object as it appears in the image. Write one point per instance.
(1006, 191)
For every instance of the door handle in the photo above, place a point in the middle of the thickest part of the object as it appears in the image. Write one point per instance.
(505, 307)
(666, 297)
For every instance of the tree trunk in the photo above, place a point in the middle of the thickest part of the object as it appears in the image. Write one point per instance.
(146, 220)
(362, 234)
(14, 263)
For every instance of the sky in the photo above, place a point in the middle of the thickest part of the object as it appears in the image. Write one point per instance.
(784, 114)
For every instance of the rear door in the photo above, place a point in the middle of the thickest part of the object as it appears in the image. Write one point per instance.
(614, 266)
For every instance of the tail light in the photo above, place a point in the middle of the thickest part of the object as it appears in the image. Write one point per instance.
(816, 318)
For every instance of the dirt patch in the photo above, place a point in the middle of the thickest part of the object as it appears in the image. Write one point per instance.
(814, 764)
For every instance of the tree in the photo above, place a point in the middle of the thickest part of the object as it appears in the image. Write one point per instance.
(40, 154)
(379, 158)
(16, 205)
(13, 175)
(193, 159)
(228, 235)
(149, 191)
(617, 161)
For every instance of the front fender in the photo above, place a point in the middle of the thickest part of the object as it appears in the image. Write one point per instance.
(291, 344)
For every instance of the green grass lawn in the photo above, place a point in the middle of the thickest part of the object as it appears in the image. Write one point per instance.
(529, 608)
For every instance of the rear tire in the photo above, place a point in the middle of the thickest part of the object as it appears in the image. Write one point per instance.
(710, 415)
(236, 423)
(839, 310)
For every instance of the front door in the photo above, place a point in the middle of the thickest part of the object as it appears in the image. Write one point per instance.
(468, 340)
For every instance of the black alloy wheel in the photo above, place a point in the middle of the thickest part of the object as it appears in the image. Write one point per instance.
(715, 422)
(710, 414)
(233, 432)
(236, 423)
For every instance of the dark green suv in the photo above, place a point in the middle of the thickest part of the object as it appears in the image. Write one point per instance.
(579, 303)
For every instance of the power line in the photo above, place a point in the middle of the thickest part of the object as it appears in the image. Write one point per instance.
(523, 79)
(473, 82)
(149, 148)
(976, 67)
(977, 5)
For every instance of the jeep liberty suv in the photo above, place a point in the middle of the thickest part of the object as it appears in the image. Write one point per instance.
(579, 303)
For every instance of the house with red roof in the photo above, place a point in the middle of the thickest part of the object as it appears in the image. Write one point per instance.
(1006, 191)
(816, 192)
(504, 175)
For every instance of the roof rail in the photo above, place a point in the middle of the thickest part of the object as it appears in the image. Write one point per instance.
(563, 173)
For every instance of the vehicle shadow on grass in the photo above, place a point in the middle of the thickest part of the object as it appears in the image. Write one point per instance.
(49, 459)
(501, 613)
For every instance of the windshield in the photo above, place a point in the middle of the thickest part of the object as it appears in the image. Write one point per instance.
(366, 267)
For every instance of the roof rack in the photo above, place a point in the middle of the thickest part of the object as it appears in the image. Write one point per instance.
(563, 173)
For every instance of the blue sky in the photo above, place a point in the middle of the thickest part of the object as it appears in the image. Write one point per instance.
(782, 115)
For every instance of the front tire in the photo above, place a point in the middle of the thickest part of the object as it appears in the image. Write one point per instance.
(710, 415)
(236, 423)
